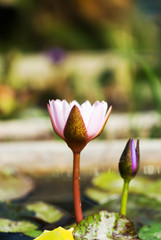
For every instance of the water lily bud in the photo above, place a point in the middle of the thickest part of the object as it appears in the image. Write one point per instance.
(130, 160)
(78, 124)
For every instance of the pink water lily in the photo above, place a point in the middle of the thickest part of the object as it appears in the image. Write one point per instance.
(78, 124)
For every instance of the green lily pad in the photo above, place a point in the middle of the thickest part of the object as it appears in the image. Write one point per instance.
(104, 180)
(141, 209)
(105, 225)
(43, 211)
(33, 233)
(112, 182)
(14, 186)
(100, 196)
(151, 232)
(7, 225)
(108, 184)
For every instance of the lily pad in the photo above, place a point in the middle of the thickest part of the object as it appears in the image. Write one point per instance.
(33, 233)
(109, 184)
(141, 209)
(105, 225)
(7, 225)
(151, 232)
(100, 196)
(104, 179)
(112, 182)
(14, 187)
(43, 211)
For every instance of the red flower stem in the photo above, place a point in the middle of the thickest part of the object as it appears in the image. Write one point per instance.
(76, 188)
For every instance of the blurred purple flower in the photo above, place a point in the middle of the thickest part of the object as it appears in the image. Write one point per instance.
(56, 55)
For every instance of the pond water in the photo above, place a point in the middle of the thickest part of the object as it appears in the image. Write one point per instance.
(101, 192)
(54, 190)
(58, 191)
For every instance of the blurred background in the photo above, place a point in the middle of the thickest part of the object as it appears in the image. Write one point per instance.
(95, 50)
(85, 50)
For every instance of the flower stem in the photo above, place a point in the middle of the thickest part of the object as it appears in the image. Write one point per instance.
(124, 198)
(76, 188)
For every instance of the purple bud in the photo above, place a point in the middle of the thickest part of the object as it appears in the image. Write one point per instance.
(129, 161)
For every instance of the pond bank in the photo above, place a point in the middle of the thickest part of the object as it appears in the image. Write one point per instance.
(54, 157)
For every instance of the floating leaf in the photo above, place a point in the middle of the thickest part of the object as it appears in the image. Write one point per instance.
(105, 179)
(108, 184)
(7, 225)
(103, 226)
(151, 232)
(140, 208)
(100, 196)
(33, 234)
(112, 182)
(43, 211)
(13, 187)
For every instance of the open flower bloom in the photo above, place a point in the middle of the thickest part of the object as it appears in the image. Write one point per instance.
(56, 234)
(78, 124)
(130, 160)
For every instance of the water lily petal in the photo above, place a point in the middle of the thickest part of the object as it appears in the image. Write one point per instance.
(65, 110)
(57, 117)
(51, 112)
(105, 120)
(97, 119)
(90, 118)
(74, 103)
(86, 110)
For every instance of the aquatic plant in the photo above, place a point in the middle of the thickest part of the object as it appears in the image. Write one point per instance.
(128, 167)
(77, 125)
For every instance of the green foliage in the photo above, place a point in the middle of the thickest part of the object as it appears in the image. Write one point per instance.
(33, 233)
(27, 218)
(7, 225)
(150, 232)
(43, 211)
(155, 132)
(153, 80)
(143, 206)
(142, 210)
(105, 225)
(14, 186)
(109, 184)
